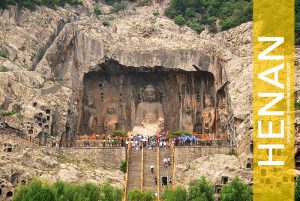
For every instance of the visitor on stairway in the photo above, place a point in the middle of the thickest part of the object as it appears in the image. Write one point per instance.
(170, 180)
(165, 144)
(165, 161)
(155, 179)
(169, 161)
(152, 169)
(160, 144)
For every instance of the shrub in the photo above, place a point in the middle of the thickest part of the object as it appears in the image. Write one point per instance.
(178, 194)
(297, 188)
(236, 190)
(97, 10)
(195, 26)
(178, 133)
(3, 69)
(41, 53)
(137, 195)
(297, 105)
(201, 190)
(232, 152)
(8, 113)
(118, 7)
(179, 20)
(3, 54)
(111, 1)
(155, 13)
(123, 166)
(119, 133)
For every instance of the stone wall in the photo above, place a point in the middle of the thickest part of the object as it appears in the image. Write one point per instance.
(107, 158)
(185, 155)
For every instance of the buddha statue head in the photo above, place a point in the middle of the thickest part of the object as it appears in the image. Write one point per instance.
(208, 101)
(110, 109)
(149, 93)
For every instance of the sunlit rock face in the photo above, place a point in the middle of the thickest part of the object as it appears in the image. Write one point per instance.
(145, 100)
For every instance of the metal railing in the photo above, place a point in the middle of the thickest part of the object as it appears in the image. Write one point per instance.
(158, 175)
(142, 169)
(127, 172)
(172, 149)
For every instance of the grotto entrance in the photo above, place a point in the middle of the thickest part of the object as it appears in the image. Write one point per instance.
(114, 97)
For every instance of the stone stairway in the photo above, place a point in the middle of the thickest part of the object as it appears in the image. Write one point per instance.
(134, 169)
(164, 171)
(150, 158)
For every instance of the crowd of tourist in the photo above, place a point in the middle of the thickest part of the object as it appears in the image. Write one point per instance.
(149, 142)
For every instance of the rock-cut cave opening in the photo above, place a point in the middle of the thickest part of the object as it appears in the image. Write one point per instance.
(112, 93)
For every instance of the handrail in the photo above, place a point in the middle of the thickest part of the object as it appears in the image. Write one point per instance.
(127, 171)
(158, 175)
(172, 148)
(142, 171)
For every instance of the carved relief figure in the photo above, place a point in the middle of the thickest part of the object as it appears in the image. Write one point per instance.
(110, 120)
(223, 116)
(149, 118)
(208, 115)
(92, 121)
(188, 115)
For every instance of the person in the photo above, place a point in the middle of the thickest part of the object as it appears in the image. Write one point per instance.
(152, 169)
(141, 144)
(160, 144)
(155, 179)
(165, 144)
(165, 161)
(126, 143)
(170, 180)
(169, 161)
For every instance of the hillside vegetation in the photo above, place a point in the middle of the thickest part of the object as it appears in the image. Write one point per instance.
(32, 4)
(217, 15)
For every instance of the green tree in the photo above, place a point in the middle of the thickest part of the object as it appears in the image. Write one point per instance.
(178, 194)
(109, 193)
(201, 190)
(236, 190)
(137, 195)
(36, 190)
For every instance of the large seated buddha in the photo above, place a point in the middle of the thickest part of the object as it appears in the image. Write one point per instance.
(149, 117)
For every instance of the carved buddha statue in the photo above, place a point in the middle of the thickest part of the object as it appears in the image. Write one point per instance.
(208, 115)
(110, 120)
(149, 117)
(223, 116)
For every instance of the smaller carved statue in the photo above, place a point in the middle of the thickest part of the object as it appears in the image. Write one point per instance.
(110, 120)
(208, 115)
(92, 120)
(223, 116)
(188, 116)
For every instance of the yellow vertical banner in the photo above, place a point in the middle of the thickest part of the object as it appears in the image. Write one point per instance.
(273, 100)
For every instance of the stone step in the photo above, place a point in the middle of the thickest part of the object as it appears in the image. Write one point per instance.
(150, 158)
(164, 171)
(134, 169)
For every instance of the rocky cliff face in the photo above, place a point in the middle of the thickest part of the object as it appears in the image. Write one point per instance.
(47, 64)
